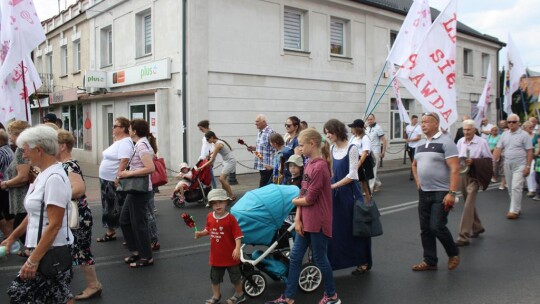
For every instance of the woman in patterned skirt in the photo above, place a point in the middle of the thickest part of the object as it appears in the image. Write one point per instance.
(82, 255)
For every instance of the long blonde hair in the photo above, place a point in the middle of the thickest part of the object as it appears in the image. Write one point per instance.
(310, 134)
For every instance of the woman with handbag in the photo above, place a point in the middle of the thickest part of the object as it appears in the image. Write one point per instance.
(365, 163)
(47, 273)
(82, 255)
(345, 250)
(135, 180)
(16, 180)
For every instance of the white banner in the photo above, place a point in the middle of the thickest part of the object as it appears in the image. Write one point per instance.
(483, 102)
(429, 73)
(402, 111)
(20, 33)
(412, 32)
(514, 68)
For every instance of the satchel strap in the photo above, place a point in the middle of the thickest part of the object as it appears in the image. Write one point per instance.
(41, 216)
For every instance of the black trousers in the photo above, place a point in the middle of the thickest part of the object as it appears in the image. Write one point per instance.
(134, 223)
(266, 177)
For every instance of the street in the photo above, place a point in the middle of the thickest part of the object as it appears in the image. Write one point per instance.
(498, 267)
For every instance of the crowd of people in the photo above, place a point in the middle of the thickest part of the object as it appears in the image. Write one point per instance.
(332, 169)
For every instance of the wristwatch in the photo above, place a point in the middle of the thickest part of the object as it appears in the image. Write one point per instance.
(453, 193)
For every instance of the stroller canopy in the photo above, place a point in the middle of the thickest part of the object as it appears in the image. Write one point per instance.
(261, 212)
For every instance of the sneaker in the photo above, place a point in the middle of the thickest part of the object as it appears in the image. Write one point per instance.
(530, 194)
(536, 198)
(330, 300)
(235, 299)
(493, 180)
(502, 188)
(280, 300)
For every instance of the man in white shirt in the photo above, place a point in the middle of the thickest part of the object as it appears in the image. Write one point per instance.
(414, 133)
(378, 146)
(485, 128)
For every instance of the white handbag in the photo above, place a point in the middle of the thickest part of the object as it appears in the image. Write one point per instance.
(73, 215)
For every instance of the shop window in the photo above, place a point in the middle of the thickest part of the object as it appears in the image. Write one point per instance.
(76, 119)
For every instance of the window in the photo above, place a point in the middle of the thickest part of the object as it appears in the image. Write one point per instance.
(49, 64)
(63, 60)
(337, 40)
(393, 37)
(467, 62)
(292, 29)
(76, 56)
(106, 46)
(485, 64)
(144, 33)
(39, 64)
(141, 110)
(397, 127)
(77, 121)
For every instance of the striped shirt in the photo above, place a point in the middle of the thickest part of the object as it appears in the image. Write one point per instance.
(6, 157)
(264, 147)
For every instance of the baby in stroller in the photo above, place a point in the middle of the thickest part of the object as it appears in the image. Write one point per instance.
(186, 178)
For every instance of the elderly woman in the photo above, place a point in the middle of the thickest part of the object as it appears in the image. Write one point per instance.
(6, 157)
(115, 159)
(16, 179)
(344, 249)
(82, 255)
(46, 225)
(133, 218)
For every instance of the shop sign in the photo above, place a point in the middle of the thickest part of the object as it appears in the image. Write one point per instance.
(63, 96)
(148, 72)
(95, 79)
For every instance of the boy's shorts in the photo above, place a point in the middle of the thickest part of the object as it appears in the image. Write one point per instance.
(217, 273)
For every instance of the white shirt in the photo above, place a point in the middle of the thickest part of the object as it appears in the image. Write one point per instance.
(206, 148)
(53, 187)
(413, 132)
(363, 144)
(375, 133)
(488, 128)
(123, 148)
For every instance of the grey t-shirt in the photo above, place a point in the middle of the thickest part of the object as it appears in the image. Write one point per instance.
(515, 145)
(431, 156)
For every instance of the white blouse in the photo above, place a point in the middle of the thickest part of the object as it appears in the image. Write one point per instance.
(340, 153)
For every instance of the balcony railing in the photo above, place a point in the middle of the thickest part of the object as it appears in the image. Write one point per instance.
(47, 86)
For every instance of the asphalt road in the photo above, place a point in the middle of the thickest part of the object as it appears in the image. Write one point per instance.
(499, 267)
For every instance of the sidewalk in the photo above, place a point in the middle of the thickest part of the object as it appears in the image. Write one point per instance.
(246, 182)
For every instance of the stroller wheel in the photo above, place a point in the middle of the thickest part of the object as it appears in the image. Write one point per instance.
(254, 284)
(177, 203)
(310, 277)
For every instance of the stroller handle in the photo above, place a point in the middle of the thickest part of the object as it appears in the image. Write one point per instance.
(266, 252)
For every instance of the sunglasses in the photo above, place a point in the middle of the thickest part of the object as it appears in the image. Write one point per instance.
(288, 125)
(512, 121)
(432, 114)
(116, 126)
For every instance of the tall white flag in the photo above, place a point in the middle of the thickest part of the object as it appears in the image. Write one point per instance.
(429, 73)
(483, 102)
(514, 70)
(412, 32)
(20, 33)
(402, 111)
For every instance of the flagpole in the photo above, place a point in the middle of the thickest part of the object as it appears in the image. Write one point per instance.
(24, 91)
(384, 92)
(375, 88)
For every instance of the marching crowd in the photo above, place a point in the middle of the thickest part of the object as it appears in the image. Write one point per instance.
(332, 169)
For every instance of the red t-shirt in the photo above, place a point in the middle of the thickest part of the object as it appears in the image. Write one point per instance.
(223, 234)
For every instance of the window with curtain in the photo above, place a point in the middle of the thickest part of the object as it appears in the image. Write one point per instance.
(147, 34)
(337, 37)
(292, 28)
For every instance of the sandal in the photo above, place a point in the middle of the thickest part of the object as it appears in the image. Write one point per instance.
(424, 267)
(24, 253)
(107, 238)
(132, 259)
(360, 270)
(155, 246)
(142, 263)
(213, 300)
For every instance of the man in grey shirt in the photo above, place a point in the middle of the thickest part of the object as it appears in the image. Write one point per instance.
(436, 172)
(518, 153)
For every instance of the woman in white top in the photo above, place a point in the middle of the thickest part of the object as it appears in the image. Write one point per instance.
(363, 143)
(222, 148)
(51, 188)
(115, 159)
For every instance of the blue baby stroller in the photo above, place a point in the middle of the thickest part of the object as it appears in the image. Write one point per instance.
(265, 217)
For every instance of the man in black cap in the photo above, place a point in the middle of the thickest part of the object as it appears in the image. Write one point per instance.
(50, 117)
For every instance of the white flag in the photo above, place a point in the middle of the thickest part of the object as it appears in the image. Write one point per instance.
(412, 32)
(402, 111)
(20, 33)
(483, 102)
(429, 73)
(514, 70)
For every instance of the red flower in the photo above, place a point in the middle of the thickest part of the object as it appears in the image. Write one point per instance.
(241, 141)
(188, 219)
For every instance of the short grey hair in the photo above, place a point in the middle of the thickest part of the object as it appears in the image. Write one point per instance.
(468, 122)
(4, 137)
(41, 136)
(261, 117)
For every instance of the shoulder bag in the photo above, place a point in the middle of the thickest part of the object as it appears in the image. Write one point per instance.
(133, 184)
(366, 218)
(57, 259)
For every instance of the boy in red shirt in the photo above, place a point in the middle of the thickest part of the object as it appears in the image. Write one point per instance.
(225, 242)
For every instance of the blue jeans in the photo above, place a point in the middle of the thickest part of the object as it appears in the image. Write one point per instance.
(433, 220)
(319, 247)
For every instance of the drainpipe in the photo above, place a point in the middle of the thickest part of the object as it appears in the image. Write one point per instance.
(184, 81)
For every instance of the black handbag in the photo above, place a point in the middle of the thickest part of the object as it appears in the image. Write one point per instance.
(133, 184)
(57, 259)
(366, 218)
